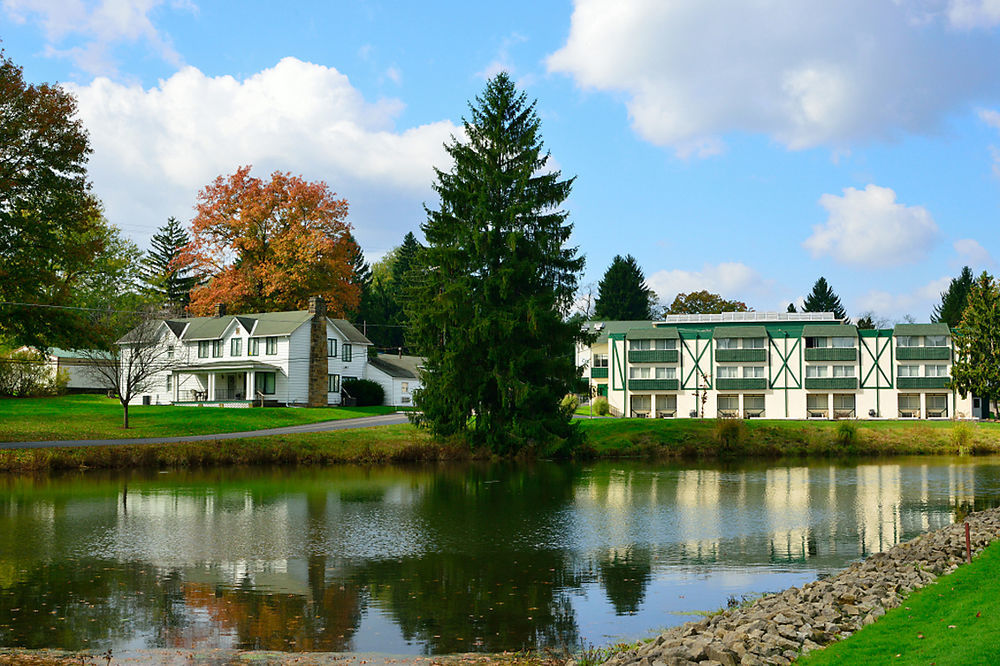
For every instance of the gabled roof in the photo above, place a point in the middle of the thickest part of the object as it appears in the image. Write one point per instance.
(829, 330)
(660, 333)
(921, 329)
(176, 327)
(401, 367)
(348, 330)
(740, 332)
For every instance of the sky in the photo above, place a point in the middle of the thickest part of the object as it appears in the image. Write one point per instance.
(746, 147)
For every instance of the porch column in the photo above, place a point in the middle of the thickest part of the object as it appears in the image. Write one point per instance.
(251, 394)
(923, 405)
(831, 413)
(211, 386)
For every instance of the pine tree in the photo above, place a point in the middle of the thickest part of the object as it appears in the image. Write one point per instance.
(494, 283)
(163, 280)
(954, 299)
(823, 299)
(976, 368)
(622, 293)
(791, 308)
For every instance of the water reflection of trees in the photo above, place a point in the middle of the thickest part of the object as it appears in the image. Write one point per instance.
(625, 574)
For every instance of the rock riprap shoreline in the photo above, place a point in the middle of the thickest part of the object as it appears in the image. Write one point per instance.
(778, 628)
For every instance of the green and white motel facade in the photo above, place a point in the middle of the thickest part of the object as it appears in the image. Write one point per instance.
(772, 365)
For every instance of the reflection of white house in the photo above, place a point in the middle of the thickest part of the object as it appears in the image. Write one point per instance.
(297, 357)
(398, 375)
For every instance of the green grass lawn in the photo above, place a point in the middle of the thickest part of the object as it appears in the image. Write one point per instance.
(98, 417)
(955, 620)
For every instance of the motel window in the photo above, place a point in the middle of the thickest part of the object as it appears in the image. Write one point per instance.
(203, 349)
(638, 373)
(728, 343)
(909, 371)
(666, 373)
(665, 344)
(937, 403)
(264, 383)
(843, 402)
(753, 372)
(753, 403)
(843, 342)
(813, 343)
(729, 403)
(216, 348)
(666, 403)
(641, 403)
(935, 371)
(935, 341)
(726, 372)
(331, 347)
(347, 353)
(333, 383)
(236, 347)
(908, 341)
(271, 346)
(909, 403)
(600, 360)
(753, 343)
(253, 349)
(816, 371)
(843, 371)
(639, 345)
(816, 401)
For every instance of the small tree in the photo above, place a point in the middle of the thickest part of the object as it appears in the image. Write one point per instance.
(128, 368)
(622, 293)
(954, 299)
(823, 299)
(977, 343)
(704, 302)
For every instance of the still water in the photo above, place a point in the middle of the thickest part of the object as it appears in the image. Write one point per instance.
(440, 559)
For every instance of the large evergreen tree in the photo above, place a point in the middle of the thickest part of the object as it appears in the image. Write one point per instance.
(976, 368)
(164, 281)
(622, 293)
(823, 299)
(954, 299)
(495, 282)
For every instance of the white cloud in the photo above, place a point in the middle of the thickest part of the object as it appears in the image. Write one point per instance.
(155, 148)
(974, 13)
(972, 253)
(99, 25)
(867, 227)
(894, 306)
(804, 72)
(731, 280)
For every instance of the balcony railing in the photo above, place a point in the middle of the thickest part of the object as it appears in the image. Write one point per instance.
(843, 383)
(922, 382)
(653, 356)
(923, 353)
(653, 385)
(831, 354)
(740, 355)
(598, 373)
(741, 383)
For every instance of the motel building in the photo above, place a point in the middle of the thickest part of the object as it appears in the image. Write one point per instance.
(772, 365)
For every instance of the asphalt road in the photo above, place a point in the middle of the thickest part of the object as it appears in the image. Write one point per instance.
(323, 426)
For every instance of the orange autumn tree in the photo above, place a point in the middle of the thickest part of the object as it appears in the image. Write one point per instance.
(269, 245)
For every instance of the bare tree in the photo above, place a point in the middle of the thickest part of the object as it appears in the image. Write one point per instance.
(586, 297)
(129, 366)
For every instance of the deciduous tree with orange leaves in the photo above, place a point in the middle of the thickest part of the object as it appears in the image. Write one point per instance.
(270, 245)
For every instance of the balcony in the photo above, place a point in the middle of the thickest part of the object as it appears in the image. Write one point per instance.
(653, 385)
(653, 356)
(834, 383)
(831, 354)
(922, 382)
(598, 373)
(741, 355)
(742, 384)
(923, 353)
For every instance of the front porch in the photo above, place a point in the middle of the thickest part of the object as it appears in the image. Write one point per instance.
(241, 384)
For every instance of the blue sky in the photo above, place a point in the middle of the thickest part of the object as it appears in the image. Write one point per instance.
(743, 146)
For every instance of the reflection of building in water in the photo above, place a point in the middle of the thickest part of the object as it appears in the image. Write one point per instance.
(878, 507)
(961, 485)
(698, 492)
(786, 501)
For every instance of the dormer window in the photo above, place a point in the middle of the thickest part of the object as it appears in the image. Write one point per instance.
(236, 347)
(331, 347)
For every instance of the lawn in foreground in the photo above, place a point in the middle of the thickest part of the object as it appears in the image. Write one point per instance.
(98, 417)
(955, 620)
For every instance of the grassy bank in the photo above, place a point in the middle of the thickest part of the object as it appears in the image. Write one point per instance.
(955, 620)
(98, 417)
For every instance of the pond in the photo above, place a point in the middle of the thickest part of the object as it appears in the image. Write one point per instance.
(441, 559)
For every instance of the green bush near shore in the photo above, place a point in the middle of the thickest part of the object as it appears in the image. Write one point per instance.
(955, 620)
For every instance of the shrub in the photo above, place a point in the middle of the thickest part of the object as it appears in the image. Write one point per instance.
(25, 374)
(729, 434)
(961, 435)
(365, 391)
(846, 433)
(569, 403)
(601, 406)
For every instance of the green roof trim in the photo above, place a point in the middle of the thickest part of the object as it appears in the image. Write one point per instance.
(660, 333)
(921, 329)
(829, 331)
(740, 332)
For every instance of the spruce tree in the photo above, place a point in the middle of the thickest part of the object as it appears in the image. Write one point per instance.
(954, 299)
(823, 299)
(622, 293)
(163, 280)
(488, 303)
(976, 368)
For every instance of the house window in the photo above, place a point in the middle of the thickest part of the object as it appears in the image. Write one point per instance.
(726, 372)
(816, 343)
(263, 382)
(935, 341)
(253, 349)
(816, 371)
(169, 383)
(844, 343)
(271, 346)
(236, 347)
(753, 343)
(404, 387)
(909, 371)
(753, 371)
(638, 373)
(216, 348)
(666, 373)
(347, 353)
(843, 371)
(935, 371)
(907, 341)
(600, 360)
(203, 349)
(333, 383)
(331, 347)
(170, 351)
(728, 343)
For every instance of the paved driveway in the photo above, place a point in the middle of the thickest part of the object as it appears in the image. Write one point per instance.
(323, 426)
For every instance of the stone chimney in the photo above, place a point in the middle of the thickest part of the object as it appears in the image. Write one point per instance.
(318, 363)
(220, 309)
